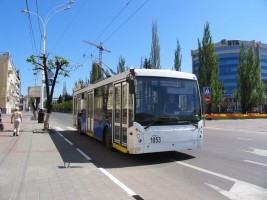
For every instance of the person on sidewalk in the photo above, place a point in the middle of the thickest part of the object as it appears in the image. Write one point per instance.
(16, 117)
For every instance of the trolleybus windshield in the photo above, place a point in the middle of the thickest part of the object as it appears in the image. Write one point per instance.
(166, 101)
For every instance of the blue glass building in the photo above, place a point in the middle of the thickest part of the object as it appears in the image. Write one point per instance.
(227, 52)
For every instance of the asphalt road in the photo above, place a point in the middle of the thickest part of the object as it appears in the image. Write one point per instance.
(231, 165)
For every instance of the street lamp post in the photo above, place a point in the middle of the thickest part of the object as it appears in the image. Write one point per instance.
(44, 23)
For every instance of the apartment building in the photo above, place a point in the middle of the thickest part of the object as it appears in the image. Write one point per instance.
(9, 84)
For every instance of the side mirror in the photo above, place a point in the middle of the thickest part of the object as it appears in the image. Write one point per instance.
(131, 85)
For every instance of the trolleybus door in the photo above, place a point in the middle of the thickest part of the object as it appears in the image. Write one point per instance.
(90, 111)
(120, 114)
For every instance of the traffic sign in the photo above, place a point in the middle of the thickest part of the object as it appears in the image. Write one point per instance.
(50, 74)
(207, 99)
(207, 91)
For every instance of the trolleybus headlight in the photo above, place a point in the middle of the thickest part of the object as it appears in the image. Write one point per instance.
(140, 140)
(138, 135)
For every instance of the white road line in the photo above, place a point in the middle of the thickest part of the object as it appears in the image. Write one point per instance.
(68, 141)
(207, 171)
(240, 189)
(257, 163)
(244, 139)
(119, 183)
(84, 154)
(59, 134)
(71, 128)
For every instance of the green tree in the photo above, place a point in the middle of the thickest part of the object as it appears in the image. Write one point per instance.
(155, 47)
(147, 64)
(250, 88)
(60, 67)
(208, 69)
(96, 73)
(67, 97)
(121, 65)
(177, 57)
(60, 99)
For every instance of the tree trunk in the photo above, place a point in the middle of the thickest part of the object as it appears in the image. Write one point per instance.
(34, 112)
(47, 120)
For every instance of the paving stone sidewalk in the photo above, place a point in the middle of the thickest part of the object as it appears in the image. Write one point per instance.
(44, 166)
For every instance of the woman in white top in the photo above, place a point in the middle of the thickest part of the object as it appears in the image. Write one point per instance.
(16, 117)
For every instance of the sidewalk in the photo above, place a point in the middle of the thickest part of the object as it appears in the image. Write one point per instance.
(45, 166)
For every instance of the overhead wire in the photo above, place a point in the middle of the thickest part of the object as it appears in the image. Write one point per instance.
(37, 11)
(70, 23)
(34, 48)
(125, 21)
(111, 22)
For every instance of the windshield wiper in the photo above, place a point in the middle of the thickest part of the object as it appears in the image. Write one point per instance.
(156, 120)
(193, 122)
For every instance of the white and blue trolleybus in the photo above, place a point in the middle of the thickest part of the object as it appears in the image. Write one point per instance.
(141, 111)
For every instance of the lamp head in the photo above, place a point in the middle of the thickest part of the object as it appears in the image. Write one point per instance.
(25, 11)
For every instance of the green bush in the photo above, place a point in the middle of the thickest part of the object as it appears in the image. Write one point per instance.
(63, 107)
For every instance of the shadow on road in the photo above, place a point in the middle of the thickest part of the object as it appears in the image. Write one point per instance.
(103, 157)
(70, 156)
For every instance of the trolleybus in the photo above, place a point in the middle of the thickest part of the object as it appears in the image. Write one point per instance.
(127, 111)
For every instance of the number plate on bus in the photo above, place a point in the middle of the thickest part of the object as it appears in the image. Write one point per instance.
(155, 139)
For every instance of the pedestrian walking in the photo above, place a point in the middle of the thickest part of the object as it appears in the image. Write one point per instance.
(16, 118)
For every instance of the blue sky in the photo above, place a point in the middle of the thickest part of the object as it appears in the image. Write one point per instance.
(125, 28)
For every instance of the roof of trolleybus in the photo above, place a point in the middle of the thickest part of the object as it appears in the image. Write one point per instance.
(140, 72)
(164, 73)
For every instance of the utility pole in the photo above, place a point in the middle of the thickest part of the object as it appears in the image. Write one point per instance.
(44, 23)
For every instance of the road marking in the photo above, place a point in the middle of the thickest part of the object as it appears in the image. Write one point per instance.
(84, 154)
(59, 133)
(207, 171)
(71, 128)
(260, 152)
(59, 129)
(119, 183)
(257, 163)
(245, 139)
(240, 189)
(68, 141)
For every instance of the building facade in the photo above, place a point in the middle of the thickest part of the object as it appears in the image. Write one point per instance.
(227, 52)
(9, 84)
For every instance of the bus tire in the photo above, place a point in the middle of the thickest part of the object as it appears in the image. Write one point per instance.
(107, 139)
